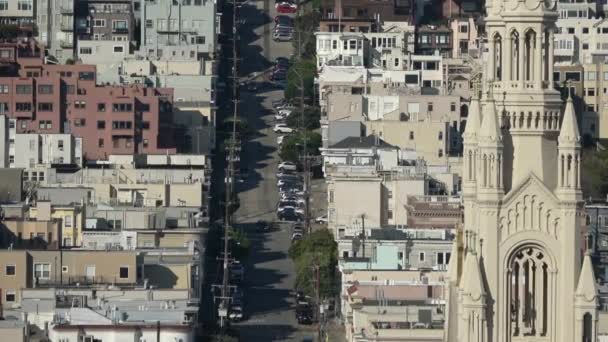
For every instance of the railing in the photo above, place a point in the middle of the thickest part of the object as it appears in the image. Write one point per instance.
(83, 281)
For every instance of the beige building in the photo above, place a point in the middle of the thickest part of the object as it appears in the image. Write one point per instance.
(70, 217)
(523, 205)
(385, 193)
(36, 234)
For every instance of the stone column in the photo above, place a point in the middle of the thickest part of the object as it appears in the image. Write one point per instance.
(507, 59)
(550, 59)
(538, 61)
(521, 60)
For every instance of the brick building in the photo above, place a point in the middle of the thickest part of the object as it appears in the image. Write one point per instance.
(50, 98)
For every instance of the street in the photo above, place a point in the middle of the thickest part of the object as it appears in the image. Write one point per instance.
(270, 274)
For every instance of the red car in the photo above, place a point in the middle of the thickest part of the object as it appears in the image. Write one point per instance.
(286, 7)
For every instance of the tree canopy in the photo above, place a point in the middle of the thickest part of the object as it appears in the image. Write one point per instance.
(311, 118)
(317, 249)
(307, 68)
(293, 145)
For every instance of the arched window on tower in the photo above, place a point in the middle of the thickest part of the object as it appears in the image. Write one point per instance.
(498, 57)
(528, 291)
(587, 328)
(515, 53)
(530, 48)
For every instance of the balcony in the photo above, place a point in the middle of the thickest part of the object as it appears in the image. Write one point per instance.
(66, 44)
(120, 30)
(69, 27)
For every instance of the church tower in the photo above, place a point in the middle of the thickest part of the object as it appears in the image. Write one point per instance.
(520, 272)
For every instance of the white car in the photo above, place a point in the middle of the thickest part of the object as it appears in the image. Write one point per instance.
(282, 128)
(287, 166)
(285, 112)
(280, 140)
(321, 219)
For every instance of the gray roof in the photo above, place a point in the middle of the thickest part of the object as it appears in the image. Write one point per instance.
(363, 142)
(10, 185)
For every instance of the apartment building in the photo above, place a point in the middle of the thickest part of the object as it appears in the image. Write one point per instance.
(434, 40)
(57, 31)
(94, 314)
(378, 11)
(178, 30)
(396, 249)
(47, 98)
(443, 212)
(20, 13)
(21, 233)
(582, 34)
(373, 49)
(465, 38)
(392, 305)
(597, 223)
(461, 9)
(31, 151)
(359, 150)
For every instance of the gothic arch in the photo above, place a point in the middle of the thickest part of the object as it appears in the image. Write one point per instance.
(529, 290)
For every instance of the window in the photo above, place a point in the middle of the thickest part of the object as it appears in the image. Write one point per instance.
(68, 243)
(331, 196)
(86, 76)
(411, 135)
(45, 107)
(45, 89)
(149, 23)
(440, 136)
(573, 76)
(118, 49)
(605, 76)
(590, 108)
(585, 30)
(45, 124)
(122, 107)
(24, 5)
(124, 272)
(440, 153)
(590, 91)
(101, 124)
(3, 88)
(440, 260)
(421, 256)
(570, 30)
(101, 107)
(453, 106)
(198, 2)
(463, 29)
(42, 271)
(99, 23)
(10, 296)
(197, 40)
(23, 107)
(23, 89)
(145, 142)
(60, 145)
(390, 214)
(86, 51)
(585, 46)
(100, 143)
(120, 25)
(10, 270)
(122, 124)
(80, 104)
(4, 5)
(389, 194)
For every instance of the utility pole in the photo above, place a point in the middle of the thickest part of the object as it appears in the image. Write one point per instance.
(317, 300)
(363, 234)
(305, 156)
(225, 297)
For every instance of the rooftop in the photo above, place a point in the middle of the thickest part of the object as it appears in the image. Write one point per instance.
(363, 142)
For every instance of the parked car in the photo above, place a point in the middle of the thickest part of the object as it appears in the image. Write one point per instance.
(282, 36)
(281, 61)
(304, 314)
(321, 219)
(280, 140)
(236, 313)
(289, 215)
(296, 236)
(288, 182)
(277, 103)
(287, 166)
(282, 128)
(283, 19)
(286, 8)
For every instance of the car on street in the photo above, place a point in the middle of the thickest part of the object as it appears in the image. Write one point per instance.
(289, 215)
(287, 166)
(236, 313)
(321, 219)
(281, 61)
(296, 236)
(282, 36)
(288, 182)
(277, 103)
(283, 19)
(280, 140)
(286, 7)
(262, 226)
(291, 177)
(304, 314)
(282, 128)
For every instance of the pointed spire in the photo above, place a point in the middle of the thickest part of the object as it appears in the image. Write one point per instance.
(472, 284)
(569, 132)
(586, 291)
(490, 130)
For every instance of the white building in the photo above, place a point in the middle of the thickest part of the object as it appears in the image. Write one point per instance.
(582, 37)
